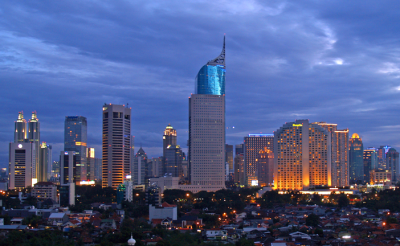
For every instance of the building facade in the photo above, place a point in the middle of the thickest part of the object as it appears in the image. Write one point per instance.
(339, 154)
(370, 162)
(68, 167)
(265, 165)
(21, 159)
(392, 164)
(302, 156)
(75, 139)
(207, 128)
(356, 150)
(173, 161)
(116, 150)
(139, 167)
(253, 143)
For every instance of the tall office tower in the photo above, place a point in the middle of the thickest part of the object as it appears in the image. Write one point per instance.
(45, 155)
(239, 149)
(356, 158)
(265, 165)
(55, 169)
(207, 127)
(370, 162)
(90, 159)
(49, 161)
(75, 139)
(20, 132)
(116, 144)
(392, 163)
(68, 167)
(382, 157)
(34, 137)
(229, 155)
(302, 152)
(21, 159)
(169, 137)
(340, 154)
(253, 143)
(139, 167)
(156, 167)
(173, 161)
(240, 177)
(98, 169)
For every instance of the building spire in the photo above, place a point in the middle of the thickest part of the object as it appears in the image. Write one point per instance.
(220, 60)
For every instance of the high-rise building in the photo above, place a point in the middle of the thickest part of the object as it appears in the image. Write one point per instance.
(240, 177)
(392, 164)
(139, 167)
(239, 149)
(21, 159)
(265, 165)
(75, 139)
(302, 156)
(20, 133)
(370, 162)
(382, 150)
(173, 161)
(68, 166)
(98, 169)
(44, 162)
(55, 169)
(116, 144)
(34, 137)
(356, 158)
(90, 163)
(229, 155)
(253, 143)
(207, 127)
(339, 154)
(169, 139)
(156, 167)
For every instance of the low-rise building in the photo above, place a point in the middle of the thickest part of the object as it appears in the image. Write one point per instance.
(57, 219)
(44, 191)
(162, 212)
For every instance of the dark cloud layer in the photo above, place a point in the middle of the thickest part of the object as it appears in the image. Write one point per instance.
(333, 61)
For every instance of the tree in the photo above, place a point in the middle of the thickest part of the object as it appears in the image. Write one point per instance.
(343, 201)
(312, 220)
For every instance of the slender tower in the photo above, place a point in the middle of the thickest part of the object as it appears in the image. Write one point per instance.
(20, 128)
(207, 127)
(116, 144)
(34, 137)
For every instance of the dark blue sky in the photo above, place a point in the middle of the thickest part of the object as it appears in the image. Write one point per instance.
(333, 61)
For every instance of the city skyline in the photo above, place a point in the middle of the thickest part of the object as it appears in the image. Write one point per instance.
(309, 66)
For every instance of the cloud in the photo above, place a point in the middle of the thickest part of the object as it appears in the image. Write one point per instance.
(333, 61)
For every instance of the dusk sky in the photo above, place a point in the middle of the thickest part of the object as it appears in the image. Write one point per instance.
(332, 61)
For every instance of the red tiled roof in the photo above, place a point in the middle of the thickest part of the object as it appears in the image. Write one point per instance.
(167, 205)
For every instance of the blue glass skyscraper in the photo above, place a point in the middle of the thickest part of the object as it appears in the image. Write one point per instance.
(207, 127)
(210, 79)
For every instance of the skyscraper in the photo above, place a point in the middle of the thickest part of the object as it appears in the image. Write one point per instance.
(382, 150)
(34, 137)
(173, 161)
(339, 153)
(169, 139)
(240, 177)
(392, 163)
(229, 156)
(302, 156)
(356, 158)
(207, 127)
(116, 161)
(90, 163)
(21, 159)
(139, 167)
(68, 166)
(370, 162)
(253, 143)
(265, 165)
(75, 139)
(20, 132)
(44, 165)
